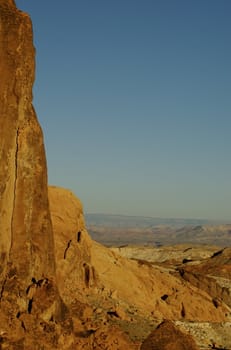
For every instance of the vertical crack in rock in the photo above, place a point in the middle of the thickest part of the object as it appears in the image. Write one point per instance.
(3, 287)
(26, 249)
(15, 185)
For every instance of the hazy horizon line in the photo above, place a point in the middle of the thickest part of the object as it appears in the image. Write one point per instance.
(158, 217)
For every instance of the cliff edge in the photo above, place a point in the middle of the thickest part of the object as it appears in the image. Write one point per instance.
(27, 269)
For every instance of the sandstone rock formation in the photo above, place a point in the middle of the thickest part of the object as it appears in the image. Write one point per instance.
(109, 276)
(32, 314)
(72, 244)
(135, 294)
(27, 270)
(213, 275)
(104, 294)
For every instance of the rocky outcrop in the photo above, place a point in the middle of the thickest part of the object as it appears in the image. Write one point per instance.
(85, 267)
(32, 314)
(102, 291)
(27, 266)
(75, 272)
(212, 275)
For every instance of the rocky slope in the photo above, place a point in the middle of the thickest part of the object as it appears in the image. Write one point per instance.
(122, 291)
(205, 267)
(131, 282)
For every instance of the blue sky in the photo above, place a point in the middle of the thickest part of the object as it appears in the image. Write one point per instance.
(134, 100)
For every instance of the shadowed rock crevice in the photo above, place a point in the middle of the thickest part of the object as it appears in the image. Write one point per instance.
(79, 234)
(183, 313)
(29, 308)
(65, 251)
(14, 186)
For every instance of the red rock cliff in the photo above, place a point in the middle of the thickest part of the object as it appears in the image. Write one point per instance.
(26, 237)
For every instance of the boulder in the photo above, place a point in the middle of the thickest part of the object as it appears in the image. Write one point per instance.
(168, 337)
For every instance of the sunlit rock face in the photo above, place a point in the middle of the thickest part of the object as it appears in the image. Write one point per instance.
(26, 237)
(74, 270)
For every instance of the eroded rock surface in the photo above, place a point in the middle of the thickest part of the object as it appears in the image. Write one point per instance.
(27, 269)
(32, 314)
(132, 283)
(105, 295)
(72, 244)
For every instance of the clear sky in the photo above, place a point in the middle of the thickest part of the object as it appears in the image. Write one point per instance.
(134, 98)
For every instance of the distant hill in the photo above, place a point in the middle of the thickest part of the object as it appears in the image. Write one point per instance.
(119, 230)
(142, 221)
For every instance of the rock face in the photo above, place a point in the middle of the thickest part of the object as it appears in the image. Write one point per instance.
(105, 294)
(26, 237)
(85, 267)
(212, 275)
(32, 314)
(72, 244)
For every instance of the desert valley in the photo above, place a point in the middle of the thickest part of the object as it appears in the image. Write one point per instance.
(111, 283)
